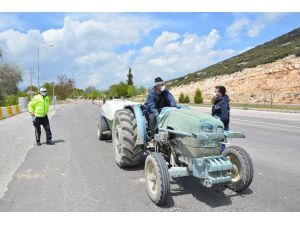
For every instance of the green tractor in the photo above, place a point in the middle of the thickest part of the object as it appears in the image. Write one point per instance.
(188, 143)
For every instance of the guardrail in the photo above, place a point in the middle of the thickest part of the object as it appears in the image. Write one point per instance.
(9, 111)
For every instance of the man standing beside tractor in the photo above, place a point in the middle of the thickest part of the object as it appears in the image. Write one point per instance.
(38, 108)
(158, 98)
(221, 107)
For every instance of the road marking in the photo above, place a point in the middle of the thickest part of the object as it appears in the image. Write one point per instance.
(274, 124)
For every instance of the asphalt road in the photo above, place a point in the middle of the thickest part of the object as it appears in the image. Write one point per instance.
(78, 173)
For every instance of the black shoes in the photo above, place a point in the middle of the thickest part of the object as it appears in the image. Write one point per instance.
(50, 143)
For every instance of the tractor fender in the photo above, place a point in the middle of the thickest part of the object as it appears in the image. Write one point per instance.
(141, 126)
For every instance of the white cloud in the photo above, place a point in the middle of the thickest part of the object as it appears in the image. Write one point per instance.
(251, 27)
(237, 26)
(80, 47)
(180, 54)
(89, 48)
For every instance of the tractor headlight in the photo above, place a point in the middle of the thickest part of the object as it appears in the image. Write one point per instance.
(208, 128)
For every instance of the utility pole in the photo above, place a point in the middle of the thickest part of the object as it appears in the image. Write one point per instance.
(38, 67)
(53, 96)
(73, 85)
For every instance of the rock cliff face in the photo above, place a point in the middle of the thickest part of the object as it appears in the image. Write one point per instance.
(277, 82)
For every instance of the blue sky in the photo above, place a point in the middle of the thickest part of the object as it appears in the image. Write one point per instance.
(98, 48)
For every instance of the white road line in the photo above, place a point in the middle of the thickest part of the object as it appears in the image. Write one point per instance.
(274, 124)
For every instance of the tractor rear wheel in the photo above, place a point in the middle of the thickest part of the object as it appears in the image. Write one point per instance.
(124, 135)
(157, 178)
(242, 171)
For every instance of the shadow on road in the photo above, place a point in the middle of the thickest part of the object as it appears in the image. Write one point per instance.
(141, 166)
(56, 141)
(212, 197)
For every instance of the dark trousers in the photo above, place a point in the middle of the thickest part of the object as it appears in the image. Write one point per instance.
(44, 121)
(152, 124)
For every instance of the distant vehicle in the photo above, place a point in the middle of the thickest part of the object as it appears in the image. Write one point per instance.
(188, 143)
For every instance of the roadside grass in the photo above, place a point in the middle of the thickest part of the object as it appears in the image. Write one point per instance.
(247, 106)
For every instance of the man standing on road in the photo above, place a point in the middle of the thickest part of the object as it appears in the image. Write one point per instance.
(221, 107)
(158, 98)
(38, 108)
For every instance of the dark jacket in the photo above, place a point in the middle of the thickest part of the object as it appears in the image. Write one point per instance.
(150, 106)
(221, 109)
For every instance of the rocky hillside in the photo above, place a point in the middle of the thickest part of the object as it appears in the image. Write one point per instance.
(267, 73)
(277, 82)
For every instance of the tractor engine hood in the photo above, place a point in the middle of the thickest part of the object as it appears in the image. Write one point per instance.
(189, 121)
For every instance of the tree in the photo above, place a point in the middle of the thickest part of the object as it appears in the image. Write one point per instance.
(181, 98)
(64, 86)
(131, 90)
(130, 77)
(10, 77)
(90, 89)
(186, 99)
(29, 88)
(198, 97)
(141, 90)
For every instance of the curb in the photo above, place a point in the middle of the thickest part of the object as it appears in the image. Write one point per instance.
(9, 111)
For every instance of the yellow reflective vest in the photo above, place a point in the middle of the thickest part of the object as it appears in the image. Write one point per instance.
(39, 105)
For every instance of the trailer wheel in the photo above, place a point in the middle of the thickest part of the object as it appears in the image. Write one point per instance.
(102, 127)
(242, 172)
(124, 135)
(157, 178)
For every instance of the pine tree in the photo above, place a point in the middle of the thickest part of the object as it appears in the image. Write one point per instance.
(130, 77)
(198, 97)
(181, 98)
(187, 99)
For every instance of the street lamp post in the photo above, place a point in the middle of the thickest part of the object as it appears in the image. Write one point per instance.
(38, 66)
(53, 97)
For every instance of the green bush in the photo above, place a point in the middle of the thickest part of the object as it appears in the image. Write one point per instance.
(11, 100)
(181, 98)
(186, 99)
(198, 97)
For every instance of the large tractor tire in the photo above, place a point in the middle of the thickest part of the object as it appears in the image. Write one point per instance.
(124, 135)
(102, 128)
(242, 172)
(157, 178)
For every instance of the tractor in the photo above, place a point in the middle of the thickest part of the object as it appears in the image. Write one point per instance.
(187, 143)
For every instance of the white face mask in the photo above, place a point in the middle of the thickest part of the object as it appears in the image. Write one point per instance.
(43, 93)
(163, 88)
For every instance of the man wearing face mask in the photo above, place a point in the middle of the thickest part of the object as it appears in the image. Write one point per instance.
(221, 107)
(38, 108)
(158, 98)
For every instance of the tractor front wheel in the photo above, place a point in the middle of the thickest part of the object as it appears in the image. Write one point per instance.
(242, 171)
(157, 178)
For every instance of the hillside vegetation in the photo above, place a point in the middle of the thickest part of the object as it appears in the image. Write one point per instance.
(278, 48)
